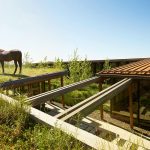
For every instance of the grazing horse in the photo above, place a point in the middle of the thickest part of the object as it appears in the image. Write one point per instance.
(14, 55)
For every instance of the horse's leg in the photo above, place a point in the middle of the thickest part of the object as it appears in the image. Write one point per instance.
(16, 66)
(20, 66)
(2, 63)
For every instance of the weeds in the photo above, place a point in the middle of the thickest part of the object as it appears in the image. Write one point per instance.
(18, 131)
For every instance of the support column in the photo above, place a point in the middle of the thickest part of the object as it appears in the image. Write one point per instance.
(43, 86)
(49, 85)
(62, 84)
(101, 107)
(138, 98)
(130, 106)
(49, 88)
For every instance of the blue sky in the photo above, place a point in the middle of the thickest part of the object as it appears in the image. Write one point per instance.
(100, 29)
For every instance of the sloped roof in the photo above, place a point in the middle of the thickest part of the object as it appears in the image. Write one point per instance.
(139, 69)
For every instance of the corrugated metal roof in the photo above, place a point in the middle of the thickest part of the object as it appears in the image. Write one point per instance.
(139, 69)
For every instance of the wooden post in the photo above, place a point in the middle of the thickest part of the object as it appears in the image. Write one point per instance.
(49, 85)
(111, 105)
(43, 86)
(38, 84)
(30, 90)
(49, 88)
(62, 84)
(130, 106)
(138, 98)
(101, 107)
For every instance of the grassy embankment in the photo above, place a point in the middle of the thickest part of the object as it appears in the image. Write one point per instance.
(18, 131)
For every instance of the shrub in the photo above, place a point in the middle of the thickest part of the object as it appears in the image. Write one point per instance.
(106, 65)
(27, 60)
(79, 70)
(58, 64)
(43, 63)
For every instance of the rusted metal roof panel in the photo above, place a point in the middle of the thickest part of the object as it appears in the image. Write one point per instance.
(139, 69)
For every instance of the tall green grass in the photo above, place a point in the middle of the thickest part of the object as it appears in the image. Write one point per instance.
(18, 131)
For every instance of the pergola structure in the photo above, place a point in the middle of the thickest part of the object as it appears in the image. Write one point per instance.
(137, 71)
(66, 119)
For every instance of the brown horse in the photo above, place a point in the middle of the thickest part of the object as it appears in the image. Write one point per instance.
(14, 55)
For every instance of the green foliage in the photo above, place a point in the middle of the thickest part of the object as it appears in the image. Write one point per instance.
(58, 63)
(12, 115)
(79, 70)
(26, 72)
(43, 63)
(27, 60)
(18, 131)
(106, 65)
(77, 96)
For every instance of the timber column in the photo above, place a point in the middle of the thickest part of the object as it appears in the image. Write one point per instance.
(130, 105)
(62, 84)
(101, 107)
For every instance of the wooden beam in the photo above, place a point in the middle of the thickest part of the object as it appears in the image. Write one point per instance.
(101, 107)
(85, 137)
(49, 85)
(31, 80)
(43, 97)
(138, 98)
(93, 104)
(136, 76)
(62, 97)
(81, 135)
(82, 103)
(130, 106)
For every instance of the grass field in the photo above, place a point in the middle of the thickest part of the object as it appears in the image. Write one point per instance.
(26, 72)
